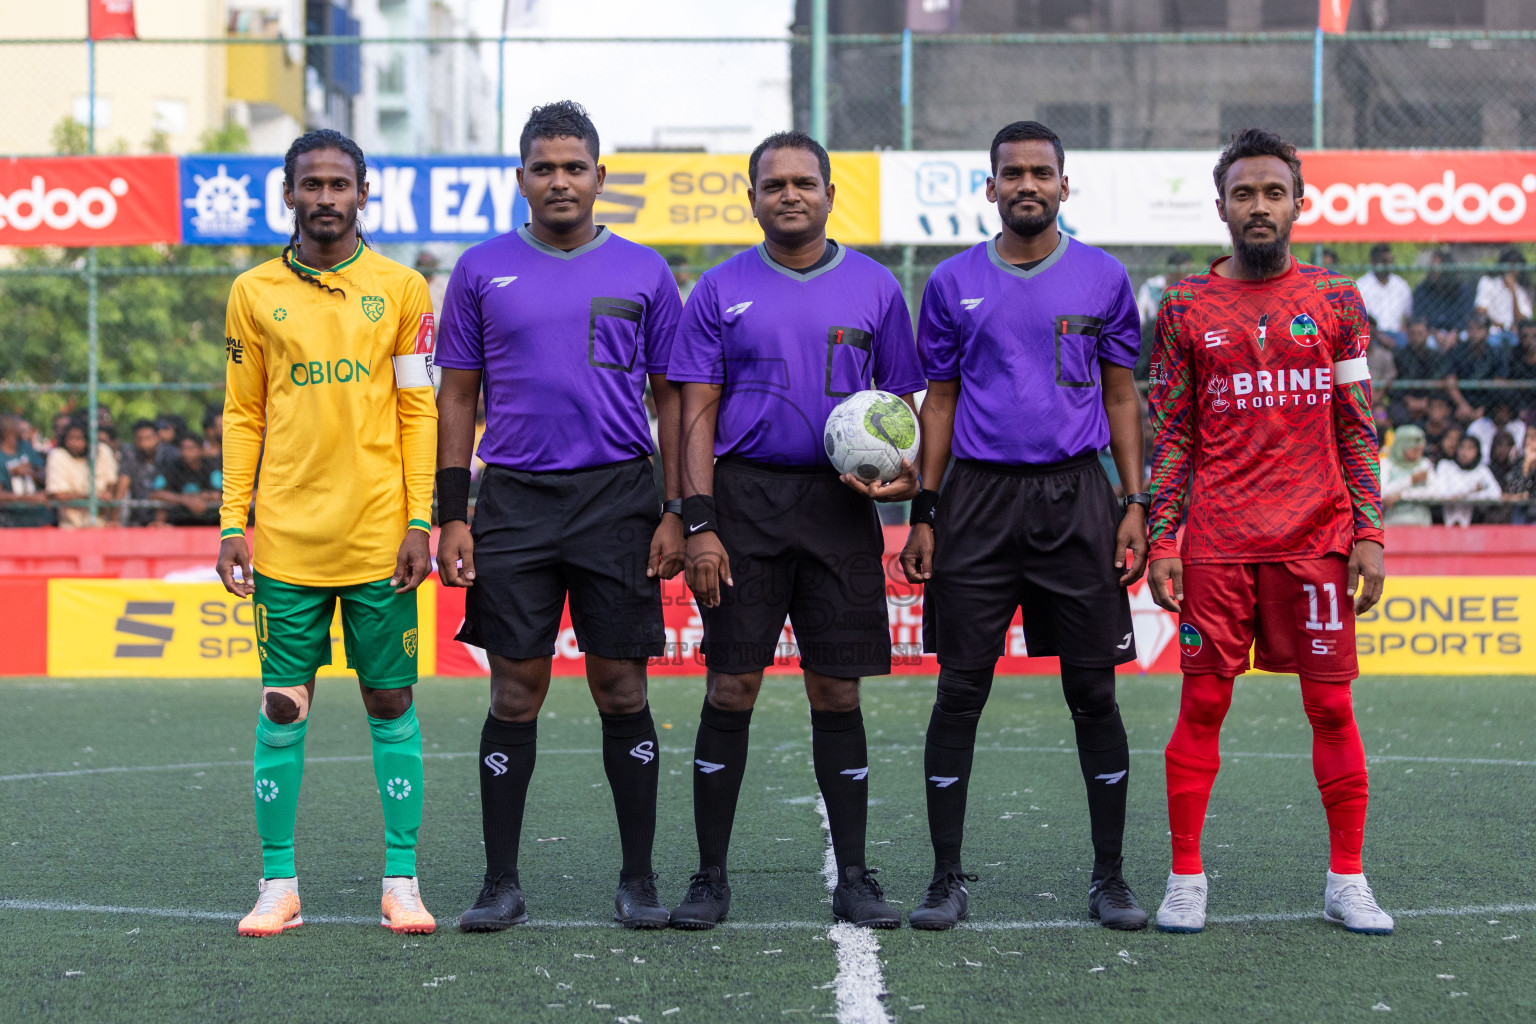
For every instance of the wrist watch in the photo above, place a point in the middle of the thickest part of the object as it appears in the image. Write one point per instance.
(1142, 498)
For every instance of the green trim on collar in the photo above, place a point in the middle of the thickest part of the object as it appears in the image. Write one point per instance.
(293, 261)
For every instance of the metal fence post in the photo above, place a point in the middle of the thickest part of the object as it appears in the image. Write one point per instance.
(908, 252)
(92, 325)
(1317, 114)
(819, 71)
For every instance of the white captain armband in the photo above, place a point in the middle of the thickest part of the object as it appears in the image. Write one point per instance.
(416, 371)
(1349, 371)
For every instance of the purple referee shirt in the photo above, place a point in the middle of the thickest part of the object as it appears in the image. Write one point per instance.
(788, 346)
(564, 340)
(1026, 346)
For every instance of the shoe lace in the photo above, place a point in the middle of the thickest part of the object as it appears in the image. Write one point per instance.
(1184, 899)
(490, 891)
(1359, 897)
(867, 886)
(267, 901)
(704, 887)
(408, 899)
(940, 888)
(1117, 894)
(642, 888)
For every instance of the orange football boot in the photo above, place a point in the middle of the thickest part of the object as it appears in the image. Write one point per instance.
(403, 912)
(276, 910)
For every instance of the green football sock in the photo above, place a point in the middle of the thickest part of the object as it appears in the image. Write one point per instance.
(279, 772)
(397, 767)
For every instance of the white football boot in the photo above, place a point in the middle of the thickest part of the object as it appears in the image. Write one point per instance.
(1348, 900)
(1183, 908)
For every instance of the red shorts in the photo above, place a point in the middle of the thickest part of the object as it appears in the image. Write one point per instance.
(1295, 615)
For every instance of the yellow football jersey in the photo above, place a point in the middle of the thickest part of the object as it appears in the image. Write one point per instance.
(339, 388)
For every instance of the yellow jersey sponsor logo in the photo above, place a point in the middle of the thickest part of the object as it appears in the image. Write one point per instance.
(337, 371)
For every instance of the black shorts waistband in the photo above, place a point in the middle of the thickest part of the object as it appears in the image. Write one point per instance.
(1083, 461)
(621, 464)
(752, 465)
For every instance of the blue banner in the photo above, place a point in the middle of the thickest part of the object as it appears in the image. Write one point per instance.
(238, 200)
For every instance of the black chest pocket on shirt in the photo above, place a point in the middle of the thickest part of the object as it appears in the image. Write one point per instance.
(848, 356)
(613, 333)
(1077, 346)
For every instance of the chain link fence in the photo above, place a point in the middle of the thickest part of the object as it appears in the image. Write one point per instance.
(161, 308)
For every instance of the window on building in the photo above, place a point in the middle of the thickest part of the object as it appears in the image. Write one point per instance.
(1428, 125)
(171, 116)
(1290, 121)
(1289, 14)
(1409, 14)
(1189, 15)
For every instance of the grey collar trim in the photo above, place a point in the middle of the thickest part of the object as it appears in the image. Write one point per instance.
(603, 234)
(1040, 268)
(795, 275)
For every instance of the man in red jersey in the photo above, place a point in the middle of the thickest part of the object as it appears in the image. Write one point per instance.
(1266, 453)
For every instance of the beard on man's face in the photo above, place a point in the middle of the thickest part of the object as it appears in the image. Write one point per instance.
(329, 228)
(1263, 258)
(1029, 225)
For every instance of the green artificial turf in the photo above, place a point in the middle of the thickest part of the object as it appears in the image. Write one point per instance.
(1446, 833)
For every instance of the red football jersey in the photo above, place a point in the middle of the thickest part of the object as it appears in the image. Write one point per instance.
(1261, 405)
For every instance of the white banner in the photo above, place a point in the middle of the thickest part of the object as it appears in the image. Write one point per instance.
(1153, 197)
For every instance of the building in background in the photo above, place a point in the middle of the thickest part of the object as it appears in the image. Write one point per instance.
(265, 81)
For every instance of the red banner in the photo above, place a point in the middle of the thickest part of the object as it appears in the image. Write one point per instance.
(1156, 631)
(1333, 16)
(89, 200)
(1418, 196)
(112, 19)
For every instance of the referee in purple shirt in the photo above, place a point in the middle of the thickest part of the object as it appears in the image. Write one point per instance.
(562, 322)
(1028, 341)
(771, 340)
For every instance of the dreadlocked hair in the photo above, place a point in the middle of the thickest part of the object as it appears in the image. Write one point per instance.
(320, 138)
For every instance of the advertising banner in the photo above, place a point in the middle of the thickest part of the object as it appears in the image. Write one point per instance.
(134, 628)
(701, 199)
(1418, 196)
(1450, 625)
(1114, 198)
(88, 200)
(239, 199)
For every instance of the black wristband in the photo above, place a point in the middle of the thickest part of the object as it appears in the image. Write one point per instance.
(699, 514)
(452, 495)
(925, 508)
(672, 506)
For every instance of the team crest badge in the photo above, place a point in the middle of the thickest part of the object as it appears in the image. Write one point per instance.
(373, 307)
(1303, 330)
(408, 639)
(1190, 640)
(1217, 389)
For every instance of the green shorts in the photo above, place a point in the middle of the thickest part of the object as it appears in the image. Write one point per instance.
(293, 632)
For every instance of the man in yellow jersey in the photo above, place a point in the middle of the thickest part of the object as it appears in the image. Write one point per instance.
(329, 351)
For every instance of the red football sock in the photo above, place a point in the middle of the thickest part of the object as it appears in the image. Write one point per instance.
(1338, 762)
(1191, 760)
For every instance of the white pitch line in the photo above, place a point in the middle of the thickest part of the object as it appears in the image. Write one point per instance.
(177, 913)
(859, 983)
(347, 758)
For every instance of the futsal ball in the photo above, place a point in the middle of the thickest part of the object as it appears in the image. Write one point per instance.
(868, 435)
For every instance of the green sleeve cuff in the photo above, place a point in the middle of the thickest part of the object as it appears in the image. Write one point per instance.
(231, 531)
(419, 524)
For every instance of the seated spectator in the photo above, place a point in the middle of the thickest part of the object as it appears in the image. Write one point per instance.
(1381, 419)
(170, 428)
(1415, 360)
(1450, 443)
(1522, 361)
(1505, 298)
(1465, 476)
(191, 485)
(140, 467)
(1442, 298)
(1520, 483)
(1406, 476)
(1501, 418)
(1387, 297)
(61, 422)
(21, 479)
(1503, 461)
(68, 473)
(1150, 296)
(1437, 419)
(1380, 363)
(1476, 358)
(213, 432)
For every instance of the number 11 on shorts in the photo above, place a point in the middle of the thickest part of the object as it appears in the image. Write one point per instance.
(1332, 590)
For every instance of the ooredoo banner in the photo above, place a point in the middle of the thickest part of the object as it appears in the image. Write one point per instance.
(88, 200)
(1418, 196)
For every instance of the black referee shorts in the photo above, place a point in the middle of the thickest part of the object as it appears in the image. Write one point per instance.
(1040, 538)
(802, 544)
(585, 533)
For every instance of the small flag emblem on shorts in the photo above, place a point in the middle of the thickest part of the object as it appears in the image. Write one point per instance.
(1189, 640)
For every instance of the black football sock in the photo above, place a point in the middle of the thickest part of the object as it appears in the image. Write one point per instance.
(1105, 758)
(947, 755)
(841, 756)
(719, 762)
(632, 759)
(507, 752)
